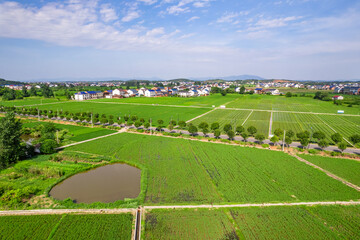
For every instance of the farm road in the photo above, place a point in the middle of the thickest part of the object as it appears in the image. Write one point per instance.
(133, 210)
(92, 139)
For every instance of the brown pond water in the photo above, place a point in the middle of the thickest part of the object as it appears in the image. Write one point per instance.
(103, 184)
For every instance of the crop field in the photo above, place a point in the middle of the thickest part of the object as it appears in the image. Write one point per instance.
(320, 222)
(260, 120)
(97, 226)
(188, 224)
(142, 111)
(345, 168)
(204, 101)
(224, 116)
(344, 125)
(27, 227)
(282, 103)
(76, 133)
(29, 101)
(185, 171)
(101, 226)
(290, 222)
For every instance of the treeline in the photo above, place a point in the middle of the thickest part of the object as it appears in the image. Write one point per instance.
(10, 94)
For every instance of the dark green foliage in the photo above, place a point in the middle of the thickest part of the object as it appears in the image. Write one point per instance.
(319, 135)
(10, 148)
(240, 129)
(227, 127)
(230, 134)
(252, 130)
(260, 138)
(217, 133)
(48, 146)
(336, 137)
(215, 126)
(279, 132)
(192, 130)
(355, 138)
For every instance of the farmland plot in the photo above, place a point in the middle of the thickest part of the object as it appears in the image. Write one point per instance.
(97, 226)
(185, 171)
(224, 116)
(142, 111)
(260, 120)
(345, 168)
(27, 227)
(28, 101)
(342, 124)
(188, 224)
(320, 222)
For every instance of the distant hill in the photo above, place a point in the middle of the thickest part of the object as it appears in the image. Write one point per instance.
(230, 78)
(9, 82)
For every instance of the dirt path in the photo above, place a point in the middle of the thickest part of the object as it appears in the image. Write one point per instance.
(201, 115)
(270, 124)
(247, 117)
(64, 211)
(328, 173)
(92, 139)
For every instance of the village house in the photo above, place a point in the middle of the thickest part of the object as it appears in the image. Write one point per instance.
(337, 98)
(150, 93)
(271, 91)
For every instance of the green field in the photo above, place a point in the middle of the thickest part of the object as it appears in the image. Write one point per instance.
(297, 104)
(204, 101)
(27, 227)
(188, 224)
(185, 171)
(142, 111)
(318, 222)
(345, 168)
(29, 101)
(101, 226)
(76, 133)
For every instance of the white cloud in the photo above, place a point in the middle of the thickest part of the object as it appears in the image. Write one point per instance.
(193, 18)
(148, 2)
(176, 9)
(183, 5)
(276, 22)
(107, 13)
(227, 17)
(130, 16)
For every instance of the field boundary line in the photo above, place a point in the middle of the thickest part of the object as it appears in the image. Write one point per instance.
(92, 139)
(335, 131)
(247, 117)
(255, 205)
(280, 111)
(70, 211)
(201, 115)
(349, 184)
(40, 104)
(270, 123)
(144, 104)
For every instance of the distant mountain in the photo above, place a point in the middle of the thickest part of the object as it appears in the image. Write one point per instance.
(230, 78)
(9, 82)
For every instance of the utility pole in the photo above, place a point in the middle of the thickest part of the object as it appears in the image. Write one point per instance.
(38, 114)
(92, 122)
(283, 140)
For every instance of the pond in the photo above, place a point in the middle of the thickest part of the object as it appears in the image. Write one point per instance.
(103, 184)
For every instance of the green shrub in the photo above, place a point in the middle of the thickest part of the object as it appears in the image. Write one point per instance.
(48, 146)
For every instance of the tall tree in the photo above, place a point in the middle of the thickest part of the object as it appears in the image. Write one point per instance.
(10, 132)
(33, 91)
(25, 92)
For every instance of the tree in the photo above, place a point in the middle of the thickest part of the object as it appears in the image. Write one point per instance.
(342, 146)
(323, 144)
(227, 127)
(203, 125)
(288, 141)
(319, 135)
(10, 132)
(182, 124)
(242, 90)
(25, 92)
(223, 93)
(288, 94)
(193, 130)
(134, 118)
(215, 126)
(46, 91)
(240, 129)
(33, 92)
(252, 130)
(260, 138)
(290, 134)
(231, 134)
(304, 142)
(9, 94)
(244, 135)
(171, 127)
(48, 146)
(217, 133)
(146, 125)
(160, 124)
(137, 124)
(355, 138)
(67, 94)
(205, 131)
(336, 137)
(172, 122)
(274, 139)
(302, 135)
(278, 132)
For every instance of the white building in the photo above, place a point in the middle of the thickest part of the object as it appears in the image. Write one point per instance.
(150, 93)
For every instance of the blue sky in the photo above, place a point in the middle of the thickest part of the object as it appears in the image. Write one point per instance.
(303, 39)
